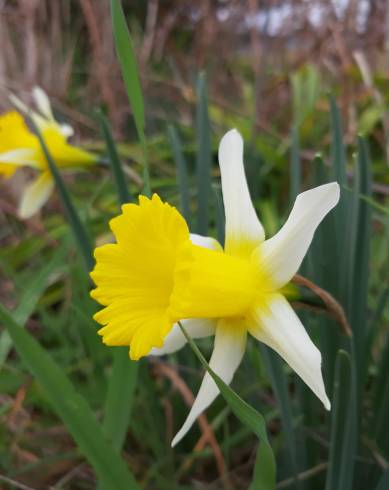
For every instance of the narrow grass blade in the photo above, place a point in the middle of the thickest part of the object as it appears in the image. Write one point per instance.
(120, 397)
(117, 170)
(71, 407)
(279, 384)
(342, 442)
(29, 301)
(295, 165)
(220, 217)
(341, 214)
(338, 151)
(381, 402)
(384, 481)
(78, 229)
(182, 172)
(129, 66)
(123, 379)
(325, 261)
(264, 470)
(360, 232)
(204, 155)
(375, 324)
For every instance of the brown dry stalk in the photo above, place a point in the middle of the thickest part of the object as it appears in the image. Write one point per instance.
(332, 305)
(161, 368)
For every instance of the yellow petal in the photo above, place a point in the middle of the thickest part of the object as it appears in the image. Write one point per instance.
(64, 154)
(14, 133)
(134, 277)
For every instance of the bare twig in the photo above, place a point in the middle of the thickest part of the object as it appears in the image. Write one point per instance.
(303, 475)
(333, 306)
(161, 368)
(14, 483)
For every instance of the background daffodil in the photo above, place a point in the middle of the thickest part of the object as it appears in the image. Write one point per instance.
(157, 274)
(19, 147)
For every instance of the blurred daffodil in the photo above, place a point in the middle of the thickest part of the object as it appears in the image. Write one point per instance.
(157, 274)
(19, 147)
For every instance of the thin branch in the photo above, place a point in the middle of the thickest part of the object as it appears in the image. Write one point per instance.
(332, 305)
(161, 368)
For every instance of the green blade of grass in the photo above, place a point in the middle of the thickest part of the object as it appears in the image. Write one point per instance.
(78, 229)
(342, 441)
(341, 215)
(71, 407)
(123, 379)
(204, 155)
(338, 151)
(120, 397)
(295, 165)
(324, 261)
(384, 481)
(381, 401)
(116, 167)
(219, 214)
(360, 232)
(182, 172)
(264, 470)
(129, 67)
(29, 301)
(279, 384)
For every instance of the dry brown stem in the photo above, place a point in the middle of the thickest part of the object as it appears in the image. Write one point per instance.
(164, 369)
(332, 305)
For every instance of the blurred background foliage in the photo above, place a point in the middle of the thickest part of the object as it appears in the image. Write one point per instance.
(267, 68)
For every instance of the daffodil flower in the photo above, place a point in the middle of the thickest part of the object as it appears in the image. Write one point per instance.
(19, 147)
(157, 274)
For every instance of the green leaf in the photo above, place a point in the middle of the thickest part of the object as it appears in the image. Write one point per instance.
(343, 427)
(116, 167)
(338, 151)
(78, 229)
(182, 172)
(359, 238)
(220, 217)
(120, 397)
(123, 379)
(295, 165)
(384, 481)
(29, 300)
(204, 155)
(342, 211)
(129, 66)
(265, 469)
(280, 388)
(71, 407)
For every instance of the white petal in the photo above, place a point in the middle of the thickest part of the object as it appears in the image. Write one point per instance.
(21, 106)
(40, 121)
(278, 326)
(43, 103)
(242, 223)
(35, 196)
(229, 347)
(66, 130)
(20, 157)
(205, 241)
(175, 339)
(282, 254)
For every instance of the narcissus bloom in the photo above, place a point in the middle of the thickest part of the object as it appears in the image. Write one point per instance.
(19, 147)
(157, 273)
